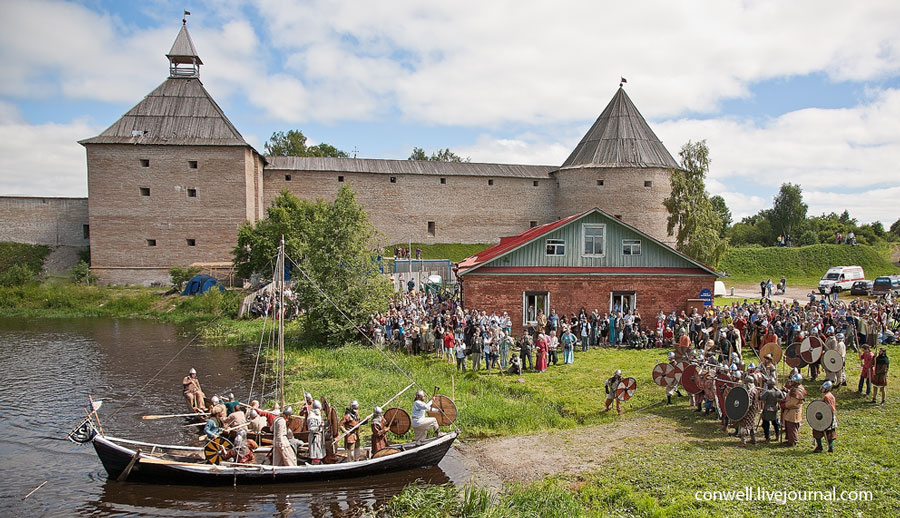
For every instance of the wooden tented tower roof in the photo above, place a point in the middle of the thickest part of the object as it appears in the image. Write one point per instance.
(620, 138)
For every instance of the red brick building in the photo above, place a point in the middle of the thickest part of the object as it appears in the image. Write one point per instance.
(590, 260)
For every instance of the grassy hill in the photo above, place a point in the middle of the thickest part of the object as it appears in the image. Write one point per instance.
(805, 264)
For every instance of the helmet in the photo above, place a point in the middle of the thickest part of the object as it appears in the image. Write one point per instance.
(770, 383)
(377, 411)
(420, 394)
(826, 386)
(840, 336)
(751, 366)
(354, 404)
(252, 414)
(238, 439)
(769, 356)
(307, 395)
(618, 372)
(671, 355)
(733, 367)
(738, 375)
(797, 378)
(317, 405)
(215, 400)
(288, 411)
(192, 371)
(231, 396)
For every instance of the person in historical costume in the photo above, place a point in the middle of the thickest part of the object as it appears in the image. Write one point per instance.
(672, 386)
(882, 362)
(192, 391)
(831, 433)
(793, 407)
(525, 351)
(541, 346)
(214, 425)
(867, 371)
(836, 343)
(515, 365)
(768, 368)
(747, 425)
(235, 422)
(316, 426)
(257, 422)
(422, 423)
(242, 450)
(379, 431)
(568, 342)
(611, 384)
(506, 343)
(768, 402)
(352, 442)
(284, 452)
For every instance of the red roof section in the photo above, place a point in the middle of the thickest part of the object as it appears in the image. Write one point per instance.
(511, 242)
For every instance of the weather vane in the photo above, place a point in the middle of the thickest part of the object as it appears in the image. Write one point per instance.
(184, 20)
(622, 80)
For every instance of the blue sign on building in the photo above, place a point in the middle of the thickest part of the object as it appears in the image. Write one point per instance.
(707, 297)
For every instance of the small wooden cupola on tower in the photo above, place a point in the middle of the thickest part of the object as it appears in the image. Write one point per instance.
(183, 58)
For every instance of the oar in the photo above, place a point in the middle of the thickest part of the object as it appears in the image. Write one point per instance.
(388, 402)
(174, 415)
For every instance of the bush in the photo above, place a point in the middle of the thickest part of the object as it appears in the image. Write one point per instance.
(182, 274)
(16, 275)
(81, 273)
(808, 238)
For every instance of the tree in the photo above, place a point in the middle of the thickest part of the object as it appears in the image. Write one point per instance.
(293, 143)
(331, 242)
(895, 229)
(692, 218)
(788, 211)
(441, 155)
(721, 210)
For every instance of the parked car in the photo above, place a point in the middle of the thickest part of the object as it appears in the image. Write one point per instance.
(861, 288)
(840, 278)
(885, 284)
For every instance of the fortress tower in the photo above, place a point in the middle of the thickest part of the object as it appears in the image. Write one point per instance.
(170, 181)
(621, 167)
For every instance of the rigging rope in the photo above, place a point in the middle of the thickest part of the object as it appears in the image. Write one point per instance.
(361, 332)
(262, 337)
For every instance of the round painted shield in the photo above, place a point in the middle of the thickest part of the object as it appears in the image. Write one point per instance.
(626, 389)
(682, 351)
(811, 349)
(819, 415)
(689, 379)
(771, 348)
(214, 451)
(832, 361)
(792, 356)
(737, 403)
(679, 371)
(663, 374)
(398, 420)
(447, 413)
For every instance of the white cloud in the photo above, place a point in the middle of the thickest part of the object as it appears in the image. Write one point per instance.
(868, 206)
(43, 160)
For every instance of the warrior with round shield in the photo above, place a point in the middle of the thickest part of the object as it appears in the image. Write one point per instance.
(672, 383)
(836, 343)
(768, 400)
(831, 432)
(747, 424)
(611, 385)
(793, 405)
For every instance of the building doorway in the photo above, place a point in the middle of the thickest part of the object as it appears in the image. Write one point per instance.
(534, 302)
(622, 301)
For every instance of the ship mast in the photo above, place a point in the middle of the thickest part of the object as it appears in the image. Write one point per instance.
(280, 284)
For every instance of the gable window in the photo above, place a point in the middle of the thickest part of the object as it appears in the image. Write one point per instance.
(192, 164)
(490, 181)
(631, 247)
(145, 191)
(594, 238)
(287, 178)
(340, 179)
(145, 162)
(393, 179)
(556, 247)
(443, 181)
(192, 193)
(535, 183)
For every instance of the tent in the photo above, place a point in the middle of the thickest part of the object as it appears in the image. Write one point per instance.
(200, 284)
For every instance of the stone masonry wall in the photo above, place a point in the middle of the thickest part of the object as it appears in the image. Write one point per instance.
(123, 219)
(44, 221)
(569, 294)
(465, 209)
(623, 193)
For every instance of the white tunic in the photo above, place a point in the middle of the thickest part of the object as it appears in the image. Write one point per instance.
(283, 453)
(316, 437)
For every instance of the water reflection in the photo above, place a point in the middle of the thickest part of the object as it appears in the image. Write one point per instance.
(50, 367)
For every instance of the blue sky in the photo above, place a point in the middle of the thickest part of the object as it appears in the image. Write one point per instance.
(806, 92)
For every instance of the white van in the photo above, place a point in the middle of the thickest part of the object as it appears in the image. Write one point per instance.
(840, 278)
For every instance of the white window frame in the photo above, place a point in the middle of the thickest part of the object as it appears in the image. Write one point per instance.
(631, 244)
(558, 244)
(525, 295)
(632, 294)
(585, 227)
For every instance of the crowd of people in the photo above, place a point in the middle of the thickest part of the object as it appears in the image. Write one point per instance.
(266, 303)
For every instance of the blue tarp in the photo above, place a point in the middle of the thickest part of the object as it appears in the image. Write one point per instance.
(200, 284)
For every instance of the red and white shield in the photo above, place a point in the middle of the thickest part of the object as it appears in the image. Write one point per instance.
(679, 370)
(626, 389)
(663, 374)
(811, 349)
(690, 379)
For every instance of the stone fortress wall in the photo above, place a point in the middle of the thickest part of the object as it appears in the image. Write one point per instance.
(44, 220)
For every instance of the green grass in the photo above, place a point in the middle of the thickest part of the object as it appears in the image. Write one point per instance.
(31, 256)
(650, 477)
(803, 265)
(455, 252)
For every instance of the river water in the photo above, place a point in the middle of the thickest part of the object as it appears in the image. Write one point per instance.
(49, 368)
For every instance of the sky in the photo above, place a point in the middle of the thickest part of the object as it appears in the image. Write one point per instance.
(805, 92)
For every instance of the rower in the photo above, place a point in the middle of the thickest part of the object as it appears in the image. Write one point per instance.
(214, 424)
(379, 431)
(231, 403)
(421, 422)
(351, 440)
(192, 392)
